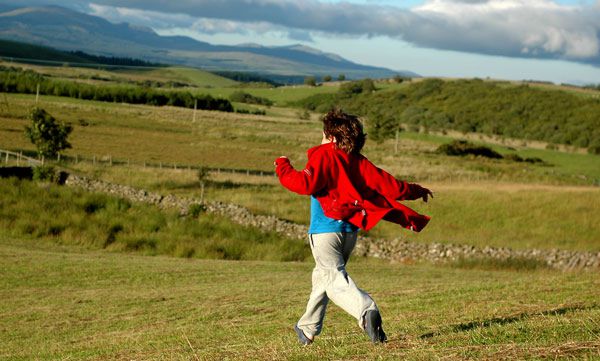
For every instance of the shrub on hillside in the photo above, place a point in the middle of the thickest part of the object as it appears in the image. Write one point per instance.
(45, 173)
(357, 87)
(243, 97)
(463, 147)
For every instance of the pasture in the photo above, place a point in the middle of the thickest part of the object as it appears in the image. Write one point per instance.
(89, 276)
(66, 303)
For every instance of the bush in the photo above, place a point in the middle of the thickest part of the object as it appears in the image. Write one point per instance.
(45, 173)
(462, 148)
(310, 81)
(196, 210)
(243, 97)
(357, 87)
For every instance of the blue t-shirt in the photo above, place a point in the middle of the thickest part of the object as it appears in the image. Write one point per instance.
(320, 223)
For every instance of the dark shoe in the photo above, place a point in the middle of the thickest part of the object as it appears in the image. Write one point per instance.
(302, 337)
(373, 327)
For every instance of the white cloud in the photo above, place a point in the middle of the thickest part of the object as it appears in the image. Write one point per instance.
(514, 28)
(536, 27)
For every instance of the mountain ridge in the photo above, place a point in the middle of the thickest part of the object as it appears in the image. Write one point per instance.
(70, 30)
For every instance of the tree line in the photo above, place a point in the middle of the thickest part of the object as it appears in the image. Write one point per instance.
(493, 108)
(14, 80)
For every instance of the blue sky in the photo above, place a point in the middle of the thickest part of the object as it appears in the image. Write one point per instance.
(552, 40)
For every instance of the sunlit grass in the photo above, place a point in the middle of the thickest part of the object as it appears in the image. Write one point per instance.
(54, 214)
(61, 303)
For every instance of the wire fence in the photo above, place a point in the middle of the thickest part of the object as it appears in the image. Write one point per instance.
(27, 159)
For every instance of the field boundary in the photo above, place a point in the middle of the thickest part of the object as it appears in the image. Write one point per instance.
(22, 159)
(394, 250)
(19, 158)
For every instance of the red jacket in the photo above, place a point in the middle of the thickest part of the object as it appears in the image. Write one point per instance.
(351, 188)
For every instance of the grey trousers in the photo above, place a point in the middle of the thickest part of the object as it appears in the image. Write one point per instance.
(330, 280)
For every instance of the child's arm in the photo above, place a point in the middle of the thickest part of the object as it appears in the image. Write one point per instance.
(384, 183)
(308, 181)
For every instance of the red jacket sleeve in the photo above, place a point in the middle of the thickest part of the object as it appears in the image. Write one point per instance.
(308, 181)
(385, 184)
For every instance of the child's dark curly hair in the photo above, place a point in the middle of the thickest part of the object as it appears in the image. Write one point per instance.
(347, 130)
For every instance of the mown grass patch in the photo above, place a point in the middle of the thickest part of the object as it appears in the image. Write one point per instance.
(67, 303)
(512, 263)
(54, 214)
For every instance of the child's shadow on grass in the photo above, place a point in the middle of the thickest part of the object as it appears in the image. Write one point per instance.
(468, 326)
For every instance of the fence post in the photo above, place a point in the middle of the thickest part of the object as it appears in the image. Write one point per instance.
(94, 160)
(110, 160)
(76, 158)
(195, 108)
(6, 161)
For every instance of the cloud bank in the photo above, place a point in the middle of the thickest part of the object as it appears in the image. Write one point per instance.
(539, 29)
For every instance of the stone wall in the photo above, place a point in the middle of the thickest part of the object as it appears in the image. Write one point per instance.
(396, 250)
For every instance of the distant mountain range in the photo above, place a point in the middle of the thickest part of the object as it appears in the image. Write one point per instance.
(67, 29)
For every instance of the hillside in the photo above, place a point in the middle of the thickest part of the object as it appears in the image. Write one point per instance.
(70, 30)
(493, 108)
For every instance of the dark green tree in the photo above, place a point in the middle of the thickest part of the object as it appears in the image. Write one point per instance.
(310, 81)
(47, 134)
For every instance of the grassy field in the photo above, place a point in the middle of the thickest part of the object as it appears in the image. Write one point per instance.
(481, 213)
(53, 214)
(65, 303)
(478, 201)
(89, 276)
(195, 77)
(281, 96)
(192, 76)
(169, 135)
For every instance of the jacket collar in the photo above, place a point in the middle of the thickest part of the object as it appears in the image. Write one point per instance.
(325, 146)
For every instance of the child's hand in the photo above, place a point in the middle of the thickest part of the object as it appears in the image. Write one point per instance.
(427, 194)
(275, 162)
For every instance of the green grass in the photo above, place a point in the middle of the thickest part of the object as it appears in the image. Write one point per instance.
(281, 96)
(59, 215)
(479, 201)
(192, 76)
(516, 216)
(216, 139)
(572, 167)
(68, 303)
(491, 213)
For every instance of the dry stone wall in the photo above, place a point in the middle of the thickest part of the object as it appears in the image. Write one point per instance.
(396, 250)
